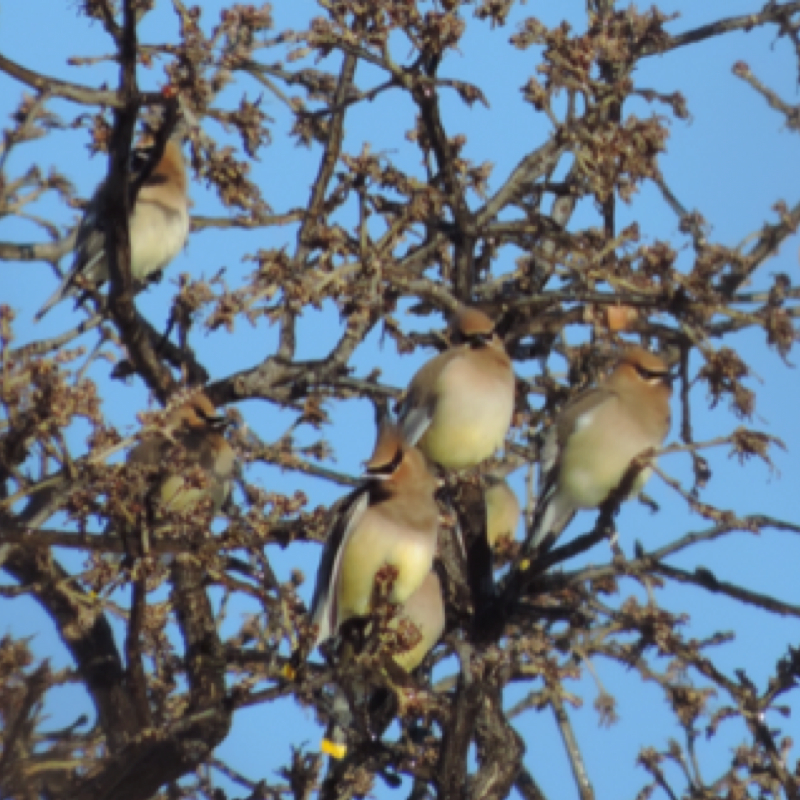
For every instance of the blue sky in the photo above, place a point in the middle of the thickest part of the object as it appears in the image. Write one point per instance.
(732, 161)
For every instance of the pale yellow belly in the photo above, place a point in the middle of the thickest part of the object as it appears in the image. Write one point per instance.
(591, 471)
(372, 546)
(155, 239)
(469, 424)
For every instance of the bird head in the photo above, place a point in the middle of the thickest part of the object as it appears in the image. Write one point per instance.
(197, 414)
(394, 461)
(471, 326)
(170, 169)
(644, 368)
(388, 454)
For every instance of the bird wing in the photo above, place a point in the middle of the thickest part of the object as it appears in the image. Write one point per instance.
(90, 243)
(89, 246)
(347, 513)
(572, 418)
(574, 415)
(415, 411)
(89, 249)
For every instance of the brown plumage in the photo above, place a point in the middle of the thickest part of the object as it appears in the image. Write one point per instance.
(390, 520)
(458, 407)
(158, 227)
(197, 428)
(596, 437)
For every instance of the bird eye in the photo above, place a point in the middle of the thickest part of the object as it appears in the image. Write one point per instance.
(651, 375)
(480, 339)
(139, 157)
(217, 421)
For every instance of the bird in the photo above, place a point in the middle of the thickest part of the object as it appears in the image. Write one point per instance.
(391, 520)
(502, 510)
(197, 428)
(590, 446)
(458, 406)
(158, 226)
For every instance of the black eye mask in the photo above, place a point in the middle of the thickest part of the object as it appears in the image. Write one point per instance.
(388, 469)
(139, 157)
(476, 340)
(652, 375)
(214, 421)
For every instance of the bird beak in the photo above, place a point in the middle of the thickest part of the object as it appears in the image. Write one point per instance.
(483, 338)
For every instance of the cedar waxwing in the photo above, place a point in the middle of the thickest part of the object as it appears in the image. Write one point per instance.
(596, 437)
(502, 510)
(458, 407)
(196, 427)
(392, 519)
(158, 227)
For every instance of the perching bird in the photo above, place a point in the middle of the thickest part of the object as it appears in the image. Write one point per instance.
(596, 437)
(197, 428)
(502, 510)
(158, 227)
(389, 521)
(458, 407)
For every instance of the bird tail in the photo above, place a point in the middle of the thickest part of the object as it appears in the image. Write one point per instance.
(85, 264)
(58, 295)
(293, 668)
(552, 515)
(335, 741)
(529, 551)
(542, 519)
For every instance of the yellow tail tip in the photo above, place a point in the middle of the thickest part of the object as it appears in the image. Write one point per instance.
(337, 751)
(524, 564)
(289, 672)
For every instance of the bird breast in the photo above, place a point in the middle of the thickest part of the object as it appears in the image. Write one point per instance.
(599, 451)
(472, 415)
(379, 541)
(157, 234)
